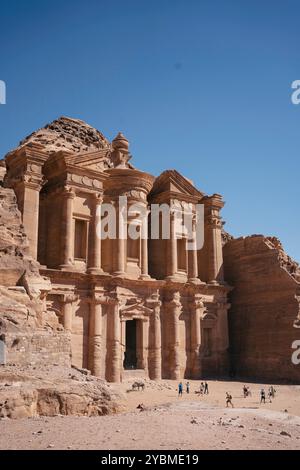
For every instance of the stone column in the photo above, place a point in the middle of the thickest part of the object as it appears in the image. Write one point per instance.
(25, 176)
(114, 371)
(120, 246)
(144, 248)
(222, 327)
(193, 257)
(172, 249)
(30, 217)
(197, 308)
(68, 300)
(213, 233)
(95, 239)
(68, 229)
(155, 344)
(95, 340)
(175, 308)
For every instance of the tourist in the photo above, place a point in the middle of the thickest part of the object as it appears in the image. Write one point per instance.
(180, 389)
(228, 400)
(245, 391)
(188, 387)
(201, 388)
(205, 388)
(262, 396)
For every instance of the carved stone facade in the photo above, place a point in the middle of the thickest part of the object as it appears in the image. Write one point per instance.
(148, 304)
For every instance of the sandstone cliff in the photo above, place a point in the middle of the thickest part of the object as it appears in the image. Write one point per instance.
(264, 308)
(28, 332)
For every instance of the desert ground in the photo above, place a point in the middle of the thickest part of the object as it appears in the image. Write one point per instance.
(170, 422)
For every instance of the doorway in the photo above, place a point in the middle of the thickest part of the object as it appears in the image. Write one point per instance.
(130, 356)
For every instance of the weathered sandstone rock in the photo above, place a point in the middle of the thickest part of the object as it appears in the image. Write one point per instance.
(264, 308)
(53, 391)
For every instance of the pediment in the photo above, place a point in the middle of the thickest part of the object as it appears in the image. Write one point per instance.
(172, 182)
(135, 309)
(96, 161)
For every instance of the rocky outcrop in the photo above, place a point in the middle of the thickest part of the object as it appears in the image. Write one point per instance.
(53, 391)
(264, 308)
(28, 332)
(68, 134)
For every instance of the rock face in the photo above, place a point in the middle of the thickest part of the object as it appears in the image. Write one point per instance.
(264, 308)
(53, 391)
(30, 333)
(68, 134)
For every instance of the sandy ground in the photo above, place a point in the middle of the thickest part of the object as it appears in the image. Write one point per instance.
(169, 422)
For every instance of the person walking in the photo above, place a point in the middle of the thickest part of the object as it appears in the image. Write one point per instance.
(188, 387)
(228, 400)
(180, 389)
(205, 388)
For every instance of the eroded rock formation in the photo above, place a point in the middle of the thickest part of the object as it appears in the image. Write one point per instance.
(31, 334)
(52, 391)
(264, 308)
(68, 134)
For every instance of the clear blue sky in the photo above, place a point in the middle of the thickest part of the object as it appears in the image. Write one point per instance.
(202, 86)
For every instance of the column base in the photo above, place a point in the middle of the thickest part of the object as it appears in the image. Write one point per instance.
(175, 278)
(67, 267)
(119, 274)
(195, 280)
(145, 277)
(95, 271)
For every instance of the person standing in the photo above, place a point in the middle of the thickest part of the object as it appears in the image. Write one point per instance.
(262, 396)
(188, 387)
(228, 400)
(180, 389)
(205, 388)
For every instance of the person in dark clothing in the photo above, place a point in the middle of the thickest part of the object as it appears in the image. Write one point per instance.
(262, 396)
(228, 400)
(205, 388)
(180, 389)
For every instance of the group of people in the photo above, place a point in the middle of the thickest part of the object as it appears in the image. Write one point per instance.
(203, 390)
(271, 394)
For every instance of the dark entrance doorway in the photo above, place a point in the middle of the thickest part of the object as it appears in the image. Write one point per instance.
(130, 359)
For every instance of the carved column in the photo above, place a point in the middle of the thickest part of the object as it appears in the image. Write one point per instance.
(24, 175)
(172, 248)
(95, 240)
(222, 328)
(68, 300)
(144, 248)
(213, 233)
(120, 245)
(67, 229)
(114, 368)
(197, 308)
(96, 334)
(174, 310)
(193, 257)
(31, 215)
(155, 344)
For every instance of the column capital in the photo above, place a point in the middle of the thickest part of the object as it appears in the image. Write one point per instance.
(174, 304)
(154, 303)
(69, 298)
(68, 192)
(214, 221)
(98, 198)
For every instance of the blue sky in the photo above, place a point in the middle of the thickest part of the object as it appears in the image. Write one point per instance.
(200, 86)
